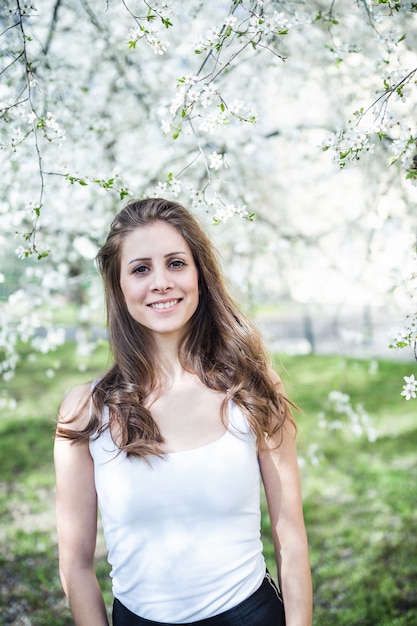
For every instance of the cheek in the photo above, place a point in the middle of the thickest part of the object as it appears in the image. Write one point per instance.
(130, 291)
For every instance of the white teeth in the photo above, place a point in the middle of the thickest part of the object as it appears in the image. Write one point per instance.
(164, 305)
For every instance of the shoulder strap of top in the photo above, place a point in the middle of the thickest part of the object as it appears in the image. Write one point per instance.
(238, 422)
(106, 415)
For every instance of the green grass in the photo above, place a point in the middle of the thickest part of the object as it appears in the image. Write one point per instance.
(360, 499)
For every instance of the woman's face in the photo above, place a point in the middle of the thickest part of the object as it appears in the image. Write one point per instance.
(159, 278)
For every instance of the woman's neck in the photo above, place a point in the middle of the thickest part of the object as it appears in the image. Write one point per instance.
(169, 361)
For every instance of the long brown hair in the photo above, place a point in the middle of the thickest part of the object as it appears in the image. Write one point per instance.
(219, 344)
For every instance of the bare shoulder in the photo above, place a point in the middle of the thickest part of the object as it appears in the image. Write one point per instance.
(75, 408)
(289, 428)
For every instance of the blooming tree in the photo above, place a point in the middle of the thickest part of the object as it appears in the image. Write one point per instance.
(199, 101)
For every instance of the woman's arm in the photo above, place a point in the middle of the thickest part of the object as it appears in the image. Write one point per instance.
(280, 475)
(76, 514)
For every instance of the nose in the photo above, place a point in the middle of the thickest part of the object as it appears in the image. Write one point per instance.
(161, 280)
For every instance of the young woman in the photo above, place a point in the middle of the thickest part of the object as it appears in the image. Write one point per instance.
(172, 442)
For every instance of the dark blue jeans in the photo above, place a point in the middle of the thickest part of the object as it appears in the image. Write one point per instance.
(262, 608)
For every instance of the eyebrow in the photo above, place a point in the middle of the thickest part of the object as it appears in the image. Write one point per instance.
(149, 258)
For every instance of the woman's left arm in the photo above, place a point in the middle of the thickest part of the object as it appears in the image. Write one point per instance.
(281, 478)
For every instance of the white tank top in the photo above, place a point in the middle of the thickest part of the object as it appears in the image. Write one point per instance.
(183, 531)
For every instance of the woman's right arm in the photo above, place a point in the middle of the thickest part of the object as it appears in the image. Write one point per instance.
(76, 516)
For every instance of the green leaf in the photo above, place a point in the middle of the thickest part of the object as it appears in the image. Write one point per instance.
(222, 107)
(132, 44)
(42, 255)
(399, 344)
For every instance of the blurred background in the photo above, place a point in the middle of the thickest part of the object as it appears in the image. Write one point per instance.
(267, 136)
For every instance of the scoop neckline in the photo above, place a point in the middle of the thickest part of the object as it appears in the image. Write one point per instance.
(210, 443)
(203, 447)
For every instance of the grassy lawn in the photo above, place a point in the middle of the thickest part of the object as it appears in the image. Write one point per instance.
(360, 496)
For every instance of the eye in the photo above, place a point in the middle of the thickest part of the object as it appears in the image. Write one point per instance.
(140, 269)
(177, 263)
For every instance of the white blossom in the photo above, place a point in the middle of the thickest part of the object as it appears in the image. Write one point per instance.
(226, 211)
(161, 189)
(174, 186)
(405, 335)
(177, 101)
(136, 33)
(193, 94)
(359, 421)
(166, 126)
(208, 94)
(53, 125)
(190, 79)
(230, 21)
(54, 337)
(215, 160)
(235, 107)
(159, 46)
(20, 252)
(164, 8)
(410, 387)
(112, 105)
(212, 122)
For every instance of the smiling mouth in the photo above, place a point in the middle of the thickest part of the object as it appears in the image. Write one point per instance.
(163, 305)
